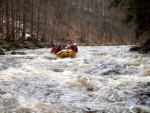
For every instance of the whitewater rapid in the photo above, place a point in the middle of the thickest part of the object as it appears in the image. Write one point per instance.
(100, 79)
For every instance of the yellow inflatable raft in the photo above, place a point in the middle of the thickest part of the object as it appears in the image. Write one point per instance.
(66, 53)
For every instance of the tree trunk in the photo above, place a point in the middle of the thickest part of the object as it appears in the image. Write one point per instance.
(24, 21)
(7, 21)
(13, 20)
(31, 18)
(1, 20)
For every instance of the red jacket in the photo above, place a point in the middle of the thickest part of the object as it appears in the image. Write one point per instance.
(55, 49)
(72, 47)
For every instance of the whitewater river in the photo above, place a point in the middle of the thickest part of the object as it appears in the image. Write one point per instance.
(101, 79)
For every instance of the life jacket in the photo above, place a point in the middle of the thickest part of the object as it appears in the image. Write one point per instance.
(68, 47)
(76, 48)
(53, 49)
(62, 47)
(72, 47)
(57, 49)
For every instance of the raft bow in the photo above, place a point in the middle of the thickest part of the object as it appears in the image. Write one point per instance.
(66, 53)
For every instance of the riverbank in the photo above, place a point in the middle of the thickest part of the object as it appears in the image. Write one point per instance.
(29, 44)
(35, 44)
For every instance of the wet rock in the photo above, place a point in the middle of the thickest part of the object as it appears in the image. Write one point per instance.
(135, 48)
(141, 50)
(110, 72)
(142, 109)
(2, 92)
(144, 98)
(21, 53)
(13, 53)
(89, 110)
(2, 51)
(144, 49)
(58, 70)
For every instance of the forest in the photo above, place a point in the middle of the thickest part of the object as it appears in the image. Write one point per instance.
(41, 23)
(74, 56)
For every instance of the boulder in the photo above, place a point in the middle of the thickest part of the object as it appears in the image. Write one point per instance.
(135, 48)
(20, 53)
(2, 51)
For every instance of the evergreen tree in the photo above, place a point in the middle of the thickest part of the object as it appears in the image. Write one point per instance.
(136, 11)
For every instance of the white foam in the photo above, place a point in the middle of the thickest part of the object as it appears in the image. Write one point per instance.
(104, 78)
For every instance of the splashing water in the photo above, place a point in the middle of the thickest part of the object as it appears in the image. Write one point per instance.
(101, 79)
